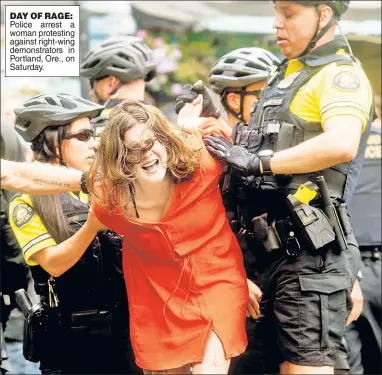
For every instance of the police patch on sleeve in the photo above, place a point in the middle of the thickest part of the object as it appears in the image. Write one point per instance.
(347, 81)
(22, 214)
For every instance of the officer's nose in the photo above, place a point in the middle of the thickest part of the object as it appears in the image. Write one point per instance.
(278, 23)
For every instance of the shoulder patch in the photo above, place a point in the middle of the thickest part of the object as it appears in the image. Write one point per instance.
(22, 214)
(347, 81)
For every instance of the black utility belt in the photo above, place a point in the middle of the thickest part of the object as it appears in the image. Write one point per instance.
(275, 236)
(305, 224)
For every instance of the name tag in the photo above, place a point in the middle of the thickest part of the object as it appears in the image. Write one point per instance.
(275, 101)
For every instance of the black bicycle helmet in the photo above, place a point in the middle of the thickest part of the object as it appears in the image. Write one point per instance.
(127, 58)
(52, 109)
(339, 6)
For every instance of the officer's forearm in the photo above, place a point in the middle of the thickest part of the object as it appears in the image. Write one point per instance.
(313, 155)
(58, 259)
(38, 178)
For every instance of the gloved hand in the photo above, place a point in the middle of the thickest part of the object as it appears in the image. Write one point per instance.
(189, 94)
(235, 156)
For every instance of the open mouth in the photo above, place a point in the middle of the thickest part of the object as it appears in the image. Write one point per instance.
(151, 165)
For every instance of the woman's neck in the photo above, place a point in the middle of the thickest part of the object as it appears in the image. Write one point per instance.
(156, 191)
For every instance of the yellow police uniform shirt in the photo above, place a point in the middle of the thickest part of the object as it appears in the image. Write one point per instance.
(336, 90)
(29, 230)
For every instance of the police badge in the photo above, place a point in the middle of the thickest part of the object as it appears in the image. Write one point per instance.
(286, 82)
(22, 214)
(346, 81)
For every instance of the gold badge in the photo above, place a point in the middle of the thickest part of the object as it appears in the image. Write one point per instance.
(346, 81)
(286, 82)
(22, 214)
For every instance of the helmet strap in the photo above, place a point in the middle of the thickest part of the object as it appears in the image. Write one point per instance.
(239, 114)
(319, 34)
(60, 138)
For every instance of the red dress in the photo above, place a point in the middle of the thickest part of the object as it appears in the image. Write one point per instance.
(184, 275)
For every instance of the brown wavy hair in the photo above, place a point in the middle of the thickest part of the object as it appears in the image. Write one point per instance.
(113, 167)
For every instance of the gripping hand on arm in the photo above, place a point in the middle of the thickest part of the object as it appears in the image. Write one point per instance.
(235, 156)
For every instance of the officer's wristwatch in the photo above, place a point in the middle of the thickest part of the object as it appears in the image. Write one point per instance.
(359, 275)
(265, 157)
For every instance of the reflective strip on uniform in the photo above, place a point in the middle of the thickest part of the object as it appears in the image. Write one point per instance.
(344, 104)
(36, 241)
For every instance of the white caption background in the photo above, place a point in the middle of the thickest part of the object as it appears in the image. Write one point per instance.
(42, 41)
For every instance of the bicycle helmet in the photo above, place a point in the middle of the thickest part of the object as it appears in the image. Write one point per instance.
(51, 109)
(339, 7)
(127, 58)
(240, 68)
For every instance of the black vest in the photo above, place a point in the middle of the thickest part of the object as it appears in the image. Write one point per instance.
(365, 207)
(96, 280)
(274, 126)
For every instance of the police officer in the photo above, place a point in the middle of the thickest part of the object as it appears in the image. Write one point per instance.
(15, 272)
(364, 336)
(239, 77)
(81, 284)
(117, 69)
(309, 127)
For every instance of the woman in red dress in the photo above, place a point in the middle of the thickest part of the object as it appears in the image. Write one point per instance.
(184, 272)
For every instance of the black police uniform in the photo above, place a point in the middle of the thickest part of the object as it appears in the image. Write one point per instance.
(364, 339)
(306, 295)
(89, 330)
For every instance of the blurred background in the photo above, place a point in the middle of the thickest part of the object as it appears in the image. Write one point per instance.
(187, 37)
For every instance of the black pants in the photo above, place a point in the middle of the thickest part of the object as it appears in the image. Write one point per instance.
(363, 337)
(92, 352)
(305, 303)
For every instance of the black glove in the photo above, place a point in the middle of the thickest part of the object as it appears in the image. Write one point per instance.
(235, 156)
(190, 93)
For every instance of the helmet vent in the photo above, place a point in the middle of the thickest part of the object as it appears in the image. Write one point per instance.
(245, 52)
(240, 74)
(263, 61)
(32, 103)
(218, 72)
(92, 64)
(67, 104)
(123, 56)
(251, 65)
(230, 61)
(140, 50)
(50, 101)
(22, 123)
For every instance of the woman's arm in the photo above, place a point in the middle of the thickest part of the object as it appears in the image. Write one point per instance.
(38, 178)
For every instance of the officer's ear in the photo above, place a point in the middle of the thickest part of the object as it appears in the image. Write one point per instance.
(110, 84)
(233, 101)
(326, 14)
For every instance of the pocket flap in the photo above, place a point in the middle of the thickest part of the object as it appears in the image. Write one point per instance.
(326, 284)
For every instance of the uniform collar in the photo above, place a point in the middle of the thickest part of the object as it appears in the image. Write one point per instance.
(326, 49)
